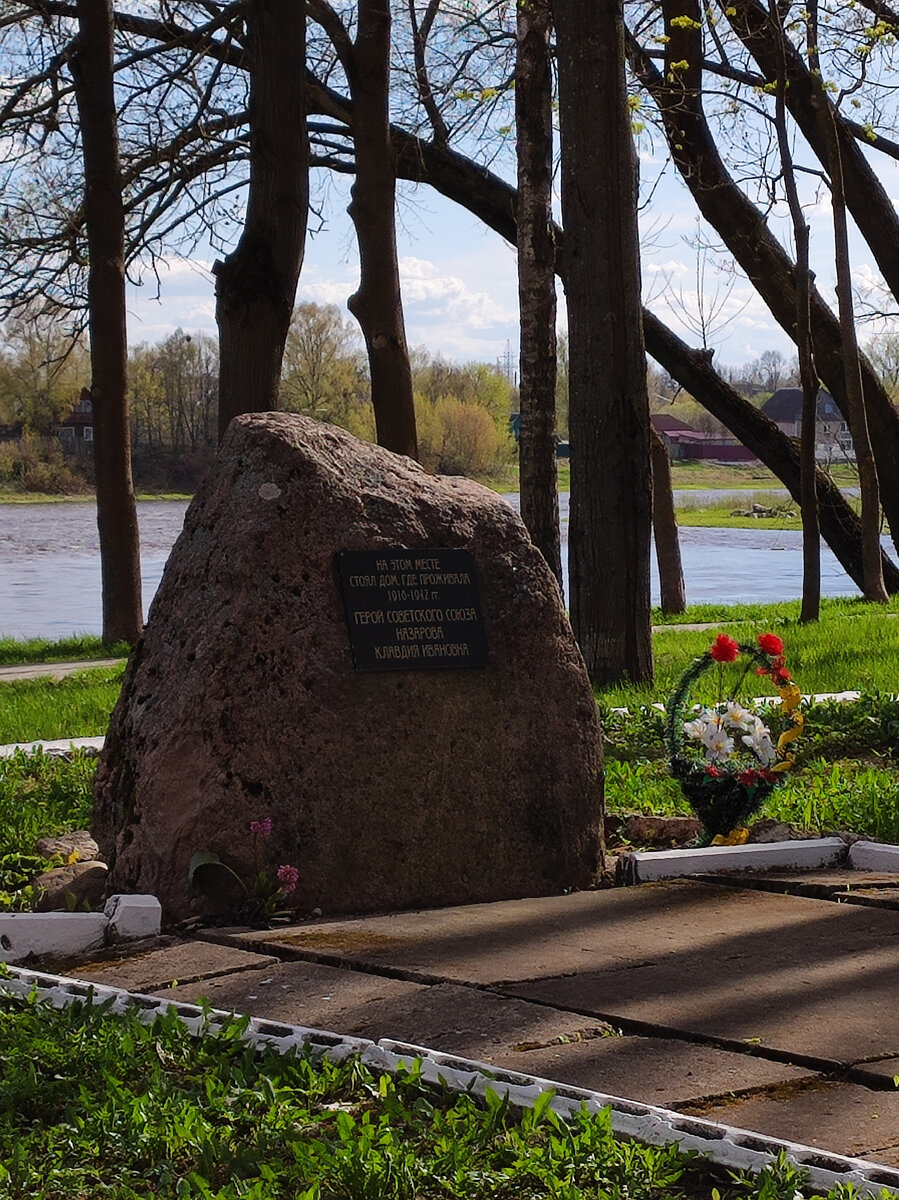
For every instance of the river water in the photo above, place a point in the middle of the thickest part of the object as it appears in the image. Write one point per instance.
(50, 571)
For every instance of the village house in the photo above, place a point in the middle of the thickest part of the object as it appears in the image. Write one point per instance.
(832, 437)
(76, 430)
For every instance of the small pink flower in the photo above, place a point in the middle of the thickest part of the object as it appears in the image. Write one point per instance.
(262, 828)
(288, 877)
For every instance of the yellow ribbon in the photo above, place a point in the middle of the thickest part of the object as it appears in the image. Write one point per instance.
(790, 701)
(736, 837)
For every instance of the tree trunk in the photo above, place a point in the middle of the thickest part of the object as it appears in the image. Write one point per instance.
(611, 485)
(813, 110)
(256, 284)
(377, 304)
(743, 230)
(664, 527)
(536, 283)
(104, 216)
(494, 202)
(858, 422)
(840, 525)
(811, 534)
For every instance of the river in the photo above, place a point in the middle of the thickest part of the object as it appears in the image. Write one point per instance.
(50, 572)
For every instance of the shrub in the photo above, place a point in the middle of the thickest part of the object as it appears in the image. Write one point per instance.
(34, 464)
(455, 438)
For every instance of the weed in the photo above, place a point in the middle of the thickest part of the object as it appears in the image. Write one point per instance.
(94, 1105)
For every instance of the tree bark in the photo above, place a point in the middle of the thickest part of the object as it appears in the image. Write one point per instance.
(256, 284)
(814, 113)
(858, 421)
(664, 527)
(377, 304)
(811, 534)
(840, 525)
(104, 216)
(611, 486)
(494, 202)
(743, 230)
(536, 283)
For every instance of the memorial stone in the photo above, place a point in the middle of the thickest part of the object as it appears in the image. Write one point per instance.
(375, 659)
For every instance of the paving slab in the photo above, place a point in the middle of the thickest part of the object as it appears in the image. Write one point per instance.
(878, 889)
(460, 1020)
(807, 979)
(880, 1073)
(842, 1117)
(833, 1012)
(553, 935)
(492, 1029)
(181, 963)
(661, 1071)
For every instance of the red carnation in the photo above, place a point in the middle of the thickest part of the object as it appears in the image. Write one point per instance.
(771, 643)
(724, 649)
(714, 772)
(749, 777)
(781, 676)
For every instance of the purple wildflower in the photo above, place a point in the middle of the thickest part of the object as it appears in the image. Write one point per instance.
(262, 828)
(288, 877)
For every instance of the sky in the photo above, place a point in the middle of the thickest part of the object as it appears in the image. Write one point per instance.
(459, 282)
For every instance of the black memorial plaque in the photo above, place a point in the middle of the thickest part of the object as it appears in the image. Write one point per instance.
(413, 610)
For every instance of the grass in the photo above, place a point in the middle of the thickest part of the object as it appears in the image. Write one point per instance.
(11, 497)
(854, 646)
(14, 652)
(95, 1106)
(779, 614)
(40, 795)
(76, 706)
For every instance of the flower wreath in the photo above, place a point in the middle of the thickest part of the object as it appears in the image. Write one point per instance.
(738, 764)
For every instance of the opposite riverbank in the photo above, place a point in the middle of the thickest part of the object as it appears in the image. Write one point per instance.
(741, 478)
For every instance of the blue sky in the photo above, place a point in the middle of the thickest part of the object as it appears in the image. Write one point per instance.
(459, 279)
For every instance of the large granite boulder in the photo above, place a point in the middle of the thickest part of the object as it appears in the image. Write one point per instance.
(386, 789)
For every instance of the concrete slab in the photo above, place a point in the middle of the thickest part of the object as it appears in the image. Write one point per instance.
(881, 1073)
(818, 884)
(460, 1020)
(184, 962)
(493, 1029)
(807, 979)
(842, 1117)
(832, 1012)
(643, 866)
(554, 935)
(654, 1070)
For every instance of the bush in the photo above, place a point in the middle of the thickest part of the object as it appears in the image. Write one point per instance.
(455, 438)
(34, 464)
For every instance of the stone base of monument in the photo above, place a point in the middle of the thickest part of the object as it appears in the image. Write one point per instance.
(369, 665)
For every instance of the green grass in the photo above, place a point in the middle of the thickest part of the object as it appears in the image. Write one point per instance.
(40, 795)
(821, 797)
(855, 646)
(845, 778)
(775, 614)
(14, 652)
(75, 706)
(95, 1106)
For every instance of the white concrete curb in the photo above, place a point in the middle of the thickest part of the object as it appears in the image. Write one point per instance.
(735, 1149)
(644, 866)
(60, 746)
(65, 934)
(874, 856)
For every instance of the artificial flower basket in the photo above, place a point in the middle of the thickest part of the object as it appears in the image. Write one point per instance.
(725, 758)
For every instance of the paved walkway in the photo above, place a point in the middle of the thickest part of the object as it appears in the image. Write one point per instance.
(54, 670)
(765, 1009)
